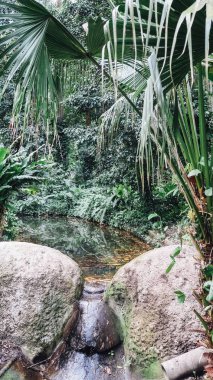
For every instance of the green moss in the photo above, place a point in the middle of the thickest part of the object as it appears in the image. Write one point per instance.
(132, 322)
(154, 371)
(11, 375)
(117, 291)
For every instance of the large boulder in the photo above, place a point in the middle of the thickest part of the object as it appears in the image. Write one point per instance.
(154, 326)
(38, 291)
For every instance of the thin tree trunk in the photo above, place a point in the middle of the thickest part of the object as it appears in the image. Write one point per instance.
(2, 219)
(88, 118)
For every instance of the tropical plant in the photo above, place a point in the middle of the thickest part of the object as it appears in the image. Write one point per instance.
(158, 51)
(170, 34)
(15, 170)
(158, 43)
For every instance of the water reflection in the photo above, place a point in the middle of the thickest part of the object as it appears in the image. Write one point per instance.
(99, 251)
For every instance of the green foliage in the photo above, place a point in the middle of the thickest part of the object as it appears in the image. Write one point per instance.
(75, 14)
(176, 252)
(169, 61)
(180, 296)
(16, 169)
(156, 220)
(208, 286)
(208, 271)
(202, 320)
(110, 191)
(153, 216)
(52, 197)
(119, 206)
(11, 226)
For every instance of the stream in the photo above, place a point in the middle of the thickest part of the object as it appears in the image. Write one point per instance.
(99, 251)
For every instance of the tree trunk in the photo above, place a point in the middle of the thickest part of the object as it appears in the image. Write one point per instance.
(2, 219)
(88, 118)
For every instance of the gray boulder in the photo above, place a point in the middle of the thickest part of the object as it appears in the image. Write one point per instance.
(154, 326)
(38, 291)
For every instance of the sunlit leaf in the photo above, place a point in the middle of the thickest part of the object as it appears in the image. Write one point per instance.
(180, 296)
(176, 252)
(194, 173)
(208, 286)
(209, 192)
(169, 268)
(153, 216)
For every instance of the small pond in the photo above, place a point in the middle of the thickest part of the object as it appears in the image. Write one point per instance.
(99, 250)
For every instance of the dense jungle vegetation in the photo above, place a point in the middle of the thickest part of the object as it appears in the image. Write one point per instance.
(83, 178)
(111, 120)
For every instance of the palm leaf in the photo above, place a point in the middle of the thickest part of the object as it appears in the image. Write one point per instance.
(176, 30)
(33, 42)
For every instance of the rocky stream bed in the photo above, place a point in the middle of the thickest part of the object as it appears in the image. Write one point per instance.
(107, 323)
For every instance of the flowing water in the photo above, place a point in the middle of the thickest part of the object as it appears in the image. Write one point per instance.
(99, 251)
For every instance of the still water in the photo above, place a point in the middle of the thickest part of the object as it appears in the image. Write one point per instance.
(98, 250)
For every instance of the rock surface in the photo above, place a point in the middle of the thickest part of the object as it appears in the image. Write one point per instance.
(154, 325)
(38, 291)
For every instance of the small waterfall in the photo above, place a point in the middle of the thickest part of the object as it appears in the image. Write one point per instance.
(95, 351)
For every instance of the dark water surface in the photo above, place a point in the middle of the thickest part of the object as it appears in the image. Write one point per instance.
(98, 250)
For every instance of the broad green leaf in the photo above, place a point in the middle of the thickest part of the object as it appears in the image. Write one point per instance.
(153, 215)
(36, 37)
(95, 36)
(208, 271)
(3, 153)
(180, 296)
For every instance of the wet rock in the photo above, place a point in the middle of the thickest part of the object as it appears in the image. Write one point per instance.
(80, 366)
(155, 326)
(97, 329)
(38, 291)
(95, 287)
(8, 353)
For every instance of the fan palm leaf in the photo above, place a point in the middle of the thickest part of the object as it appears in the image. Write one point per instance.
(174, 36)
(160, 40)
(32, 41)
(180, 34)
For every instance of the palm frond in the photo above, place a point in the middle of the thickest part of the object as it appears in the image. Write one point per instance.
(110, 120)
(180, 34)
(34, 45)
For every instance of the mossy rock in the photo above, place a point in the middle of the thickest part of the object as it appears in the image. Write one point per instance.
(38, 288)
(154, 325)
